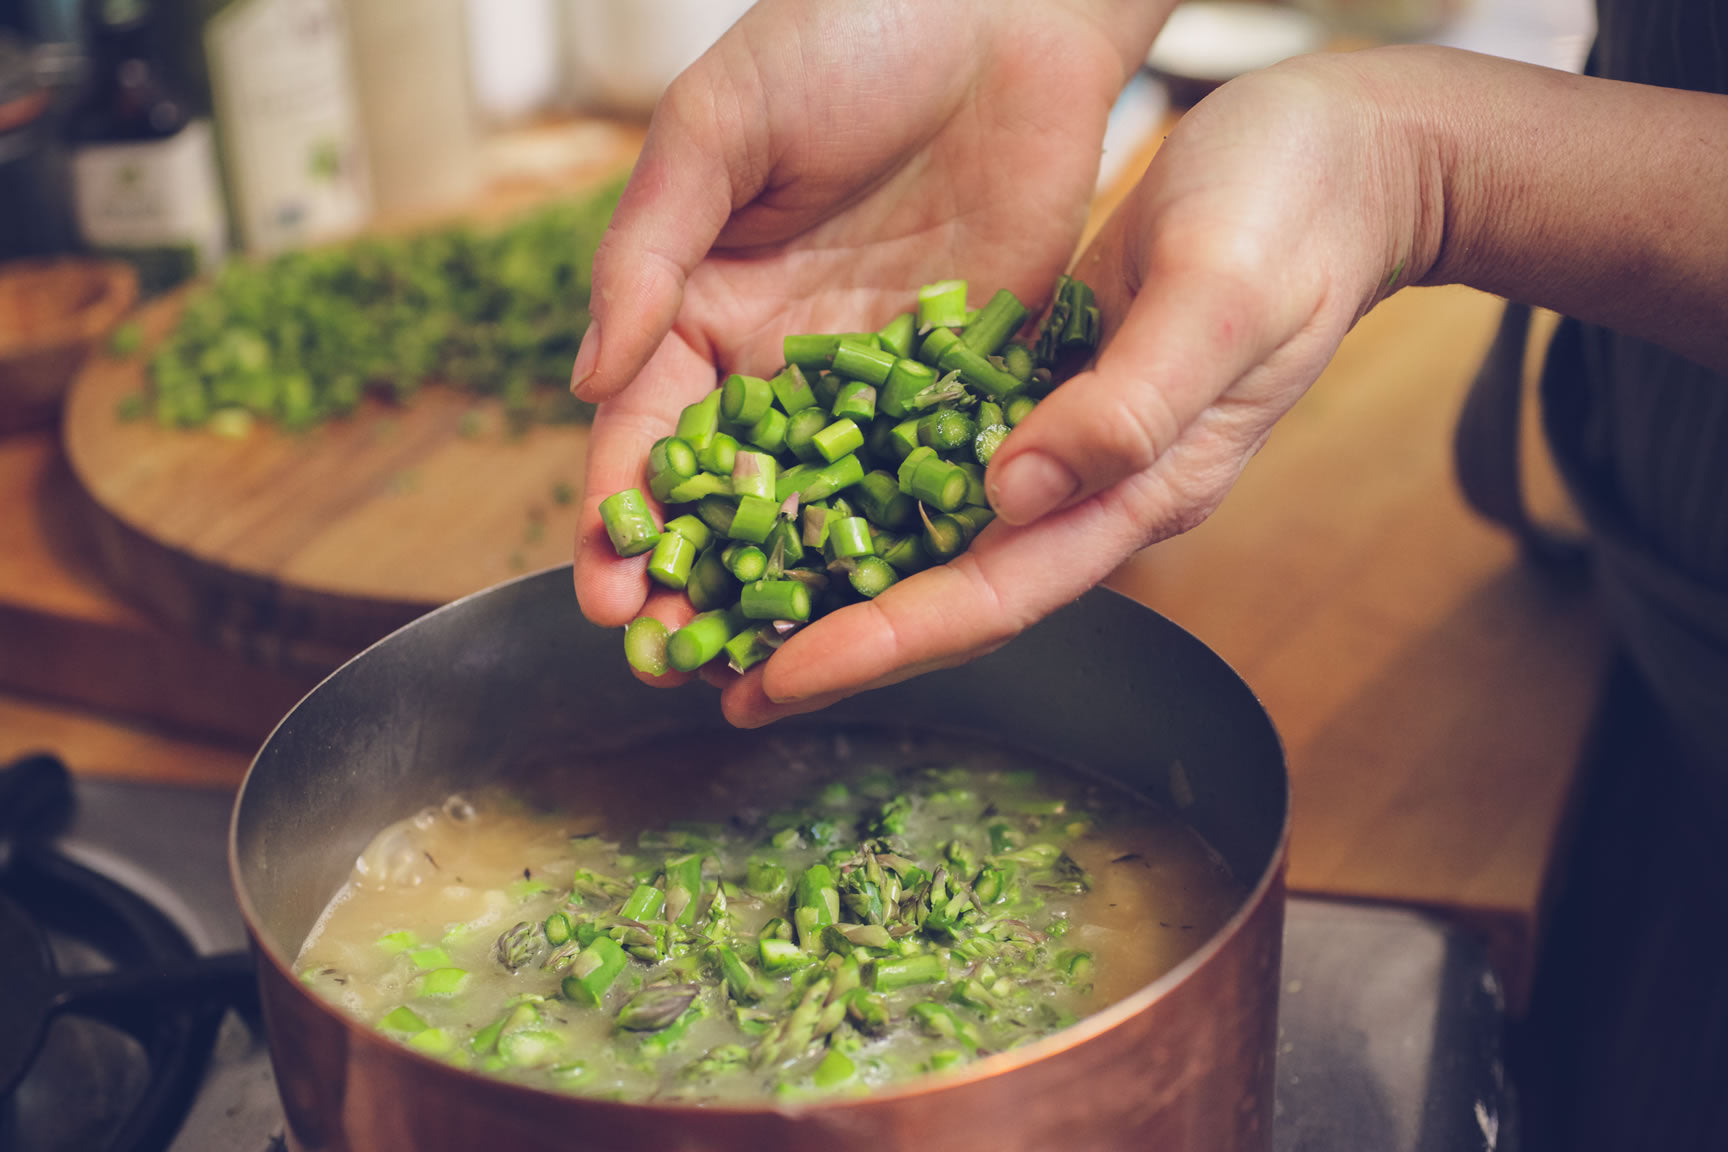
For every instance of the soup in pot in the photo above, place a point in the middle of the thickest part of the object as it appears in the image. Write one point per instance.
(785, 916)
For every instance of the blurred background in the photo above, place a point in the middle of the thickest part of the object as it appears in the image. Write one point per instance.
(178, 131)
(237, 236)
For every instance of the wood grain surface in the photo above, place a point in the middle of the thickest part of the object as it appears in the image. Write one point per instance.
(301, 549)
(65, 635)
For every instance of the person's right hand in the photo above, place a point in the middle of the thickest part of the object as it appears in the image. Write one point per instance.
(1275, 214)
(813, 169)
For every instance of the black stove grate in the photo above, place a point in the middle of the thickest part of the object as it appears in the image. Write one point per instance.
(135, 1006)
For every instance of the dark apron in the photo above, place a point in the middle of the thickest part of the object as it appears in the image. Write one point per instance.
(1672, 625)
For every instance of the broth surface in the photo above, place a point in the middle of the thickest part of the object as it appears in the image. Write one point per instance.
(1014, 897)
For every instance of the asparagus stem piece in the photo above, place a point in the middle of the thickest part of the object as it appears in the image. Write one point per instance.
(935, 344)
(791, 390)
(946, 430)
(995, 323)
(701, 640)
(856, 401)
(1072, 329)
(838, 439)
(801, 429)
(832, 478)
(746, 650)
(717, 511)
(742, 984)
(905, 971)
(699, 422)
(850, 537)
(644, 903)
(937, 482)
(941, 1020)
(670, 562)
(873, 576)
(752, 519)
(857, 359)
(1017, 361)
(754, 474)
(769, 432)
(683, 884)
(835, 1069)
(779, 955)
(695, 488)
(403, 1020)
(776, 600)
(898, 334)
(719, 454)
(628, 522)
(906, 380)
(976, 369)
(746, 562)
(809, 352)
(692, 529)
(881, 502)
(942, 304)
(441, 983)
(711, 586)
(745, 399)
(988, 440)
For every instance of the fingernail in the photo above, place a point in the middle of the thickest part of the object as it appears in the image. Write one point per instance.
(587, 356)
(1030, 485)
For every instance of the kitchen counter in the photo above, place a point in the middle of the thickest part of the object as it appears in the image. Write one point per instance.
(1433, 693)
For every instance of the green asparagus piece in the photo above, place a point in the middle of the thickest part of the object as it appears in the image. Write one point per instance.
(995, 323)
(701, 640)
(628, 522)
(670, 562)
(942, 304)
(745, 399)
(593, 972)
(746, 562)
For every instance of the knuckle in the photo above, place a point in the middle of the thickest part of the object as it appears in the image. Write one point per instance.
(1000, 620)
(1131, 431)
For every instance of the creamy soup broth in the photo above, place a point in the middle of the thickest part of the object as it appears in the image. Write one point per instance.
(1066, 895)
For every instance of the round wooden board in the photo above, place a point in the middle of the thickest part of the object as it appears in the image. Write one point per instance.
(303, 548)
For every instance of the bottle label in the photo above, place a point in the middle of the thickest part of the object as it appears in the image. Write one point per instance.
(152, 194)
(285, 102)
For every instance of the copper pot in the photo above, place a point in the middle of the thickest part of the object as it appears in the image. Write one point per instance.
(498, 686)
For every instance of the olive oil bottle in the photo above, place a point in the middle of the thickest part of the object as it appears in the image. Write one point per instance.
(282, 86)
(144, 173)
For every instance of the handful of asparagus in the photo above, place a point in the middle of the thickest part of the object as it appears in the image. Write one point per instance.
(860, 462)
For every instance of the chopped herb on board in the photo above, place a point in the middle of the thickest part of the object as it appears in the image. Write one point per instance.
(301, 338)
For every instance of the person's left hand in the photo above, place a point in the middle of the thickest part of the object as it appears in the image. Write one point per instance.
(808, 174)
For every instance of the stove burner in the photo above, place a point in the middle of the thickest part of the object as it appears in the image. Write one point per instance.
(110, 1013)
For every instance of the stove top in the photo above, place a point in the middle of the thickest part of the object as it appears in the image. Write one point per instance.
(1389, 1024)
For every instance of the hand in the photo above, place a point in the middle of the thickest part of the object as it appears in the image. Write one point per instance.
(1276, 214)
(808, 174)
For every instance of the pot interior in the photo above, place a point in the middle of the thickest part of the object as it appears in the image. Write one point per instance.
(508, 684)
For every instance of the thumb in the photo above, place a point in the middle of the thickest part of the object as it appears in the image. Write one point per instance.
(691, 171)
(1185, 337)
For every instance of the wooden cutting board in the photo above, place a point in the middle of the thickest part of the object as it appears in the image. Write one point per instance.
(299, 549)
(302, 548)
